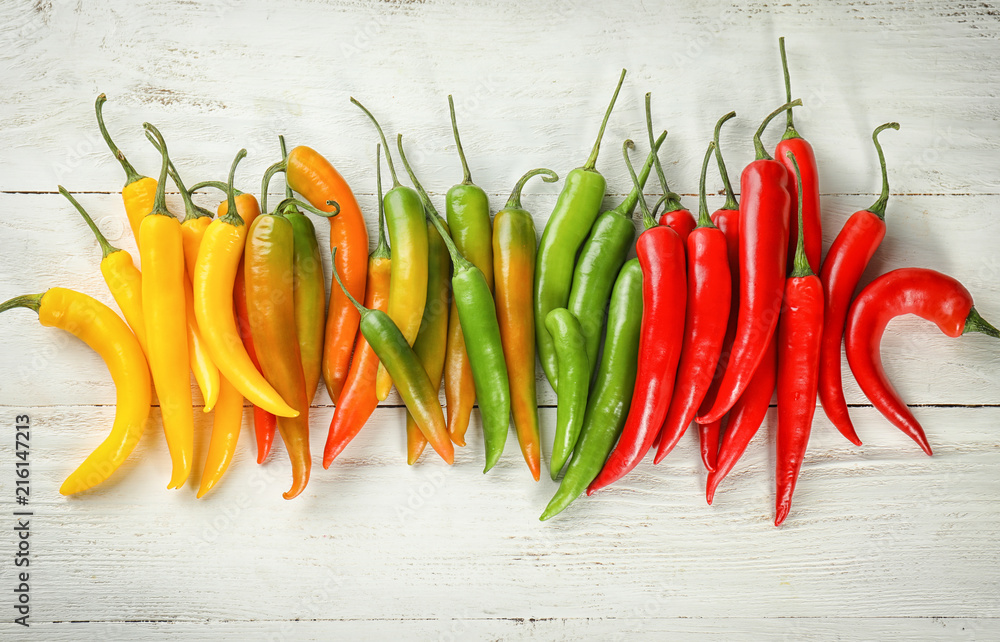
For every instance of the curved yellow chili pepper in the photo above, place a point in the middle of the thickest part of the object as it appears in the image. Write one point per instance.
(100, 328)
(162, 254)
(225, 434)
(214, 278)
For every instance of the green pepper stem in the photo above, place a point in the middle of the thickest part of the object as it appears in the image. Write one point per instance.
(703, 218)
(33, 301)
(382, 250)
(672, 199)
(219, 185)
(265, 182)
(731, 203)
(514, 202)
(973, 323)
(191, 211)
(106, 248)
(458, 260)
(284, 157)
(647, 219)
(759, 146)
(336, 274)
(789, 127)
(131, 175)
(160, 200)
(801, 265)
(592, 160)
(295, 204)
(381, 134)
(467, 176)
(627, 206)
(232, 216)
(878, 208)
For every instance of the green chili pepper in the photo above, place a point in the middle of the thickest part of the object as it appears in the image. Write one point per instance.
(409, 376)
(578, 205)
(600, 260)
(574, 376)
(478, 315)
(609, 401)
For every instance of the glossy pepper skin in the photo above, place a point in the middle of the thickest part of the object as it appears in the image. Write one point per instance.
(845, 262)
(574, 373)
(357, 399)
(566, 229)
(764, 207)
(478, 316)
(800, 330)
(100, 328)
(225, 434)
(404, 219)
(609, 400)
(411, 379)
(661, 257)
(928, 294)
(513, 266)
(600, 260)
(707, 315)
(467, 209)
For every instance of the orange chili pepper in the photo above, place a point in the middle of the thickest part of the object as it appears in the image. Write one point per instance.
(225, 434)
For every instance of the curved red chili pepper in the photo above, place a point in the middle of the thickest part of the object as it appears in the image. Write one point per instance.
(680, 221)
(661, 258)
(929, 295)
(764, 208)
(708, 298)
(845, 263)
(264, 423)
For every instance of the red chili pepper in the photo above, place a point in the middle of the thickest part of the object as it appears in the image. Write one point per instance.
(845, 262)
(708, 298)
(680, 221)
(764, 207)
(929, 295)
(661, 258)
(800, 330)
(792, 142)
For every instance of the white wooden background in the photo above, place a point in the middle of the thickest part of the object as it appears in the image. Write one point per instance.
(882, 542)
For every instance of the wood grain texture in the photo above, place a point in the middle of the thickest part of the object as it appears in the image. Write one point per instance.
(883, 542)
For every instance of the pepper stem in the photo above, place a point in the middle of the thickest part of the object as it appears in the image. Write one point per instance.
(672, 200)
(284, 157)
(294, 203)
(382, 250)
(388, 156)
(33, 301)
(232, 216)
(514, 202)
(647, 219)
(467, 178)
(106, 248)
(759, 146)
(878, 208)
(801, 265)
(219, 185)
(592, 161)
(191, 211)
(703, 218)
(973, 323)
(627, 206)
(131, 175)
(336, 274)
(265, 182)
(160, 200)
(789, 127)
(731, 203)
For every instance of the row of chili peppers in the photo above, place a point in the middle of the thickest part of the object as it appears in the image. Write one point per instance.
(257, 325)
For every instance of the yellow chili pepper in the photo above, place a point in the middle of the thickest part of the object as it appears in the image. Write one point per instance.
(225, 434)
(162, 255)
(139, 191)
(100, 328)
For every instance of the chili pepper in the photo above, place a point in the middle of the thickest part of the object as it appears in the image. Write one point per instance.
(709, 295)
(123, 278)
(214, 281)
(312, 176)
(225, 433)
(661, 257)
(574, 373)
(680, 221)
(566, 229)
(410, 378)
(764, 207)
(845, 262)
(727, 219)
(514, 265)
(611, 396)
(601, 258)
(161, 253)
(357, 399)
(926, 293)
(468, 211)
(139, 191)
(478, 316)
(100, 328)
(800, 329)
(196, 221)
(792, 142)
(432, 339)
(675, 215)
(404, 218)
